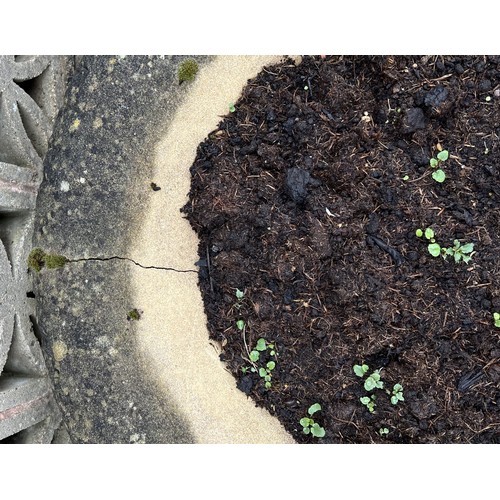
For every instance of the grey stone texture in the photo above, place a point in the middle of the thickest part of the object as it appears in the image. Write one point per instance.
(31, 91)
(97, 180)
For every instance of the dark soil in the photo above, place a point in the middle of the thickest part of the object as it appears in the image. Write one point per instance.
(300, 199)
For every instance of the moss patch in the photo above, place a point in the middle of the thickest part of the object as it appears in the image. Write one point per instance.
(187, 70)
(38, 259)
(134, 315)
(53, 261)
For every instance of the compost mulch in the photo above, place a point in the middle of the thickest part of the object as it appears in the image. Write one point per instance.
(307, 198)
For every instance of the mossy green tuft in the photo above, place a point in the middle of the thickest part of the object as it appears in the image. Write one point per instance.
(53, 261)
(36, 259)
(187, 70)
(134, 315)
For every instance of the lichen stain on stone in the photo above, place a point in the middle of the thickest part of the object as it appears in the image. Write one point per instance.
(97, 123)
(60, 350)
(74, 126)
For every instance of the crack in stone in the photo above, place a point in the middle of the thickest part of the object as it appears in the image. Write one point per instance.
(115, 257)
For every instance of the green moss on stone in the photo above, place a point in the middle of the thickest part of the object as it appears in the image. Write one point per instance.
(187, 70)
(53, 261)
(36, 259)
(134, 315)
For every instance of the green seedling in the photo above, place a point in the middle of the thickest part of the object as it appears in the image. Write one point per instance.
(309, 426)
(239, 298)
(265, 373)
(383, 431)
(397, 394)
(240, 324)
(255, 355)
(187, 70)
(457, 251)
(406, 178)
(496, 319)
(439, 175)
(232, 109)
(360, 370)
(373, 381)
(262, 345)
(369, 402)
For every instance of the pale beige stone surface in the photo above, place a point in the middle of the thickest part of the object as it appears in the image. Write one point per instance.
(172, 333)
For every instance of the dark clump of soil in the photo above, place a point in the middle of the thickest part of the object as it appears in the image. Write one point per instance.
(307, 199)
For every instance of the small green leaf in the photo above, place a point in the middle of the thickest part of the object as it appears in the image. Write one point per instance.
(439, 176)
(397, 388)
(267, 378)
(262, 372)
(261, 345)
(433, 162)
(360, 370)
(406, 178)
(240, 324)
(317, 431)
(271, 365)
(254, 356)
(496, 316)
(434, 249)
(370, 384)
(314, 408)
(467, 248)
(443, 155)
(272, 353)
(419, 233)
(429, 233)
(457, 257)
(394, 400)
(267, 385)
(365, 400)
(306, 430)
(305, 422)
(232, 109)
(239, 294)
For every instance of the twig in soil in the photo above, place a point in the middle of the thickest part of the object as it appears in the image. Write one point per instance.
(396, 256)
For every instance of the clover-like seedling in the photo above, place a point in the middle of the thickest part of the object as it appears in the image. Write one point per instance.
(459, 252)
(265, 373)
(373, 381)
(309, 426)
(439, 175)
(369, 402)
(360, 370)
(397, 394)
(496, 319)
(383, 431)
(254, 355)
